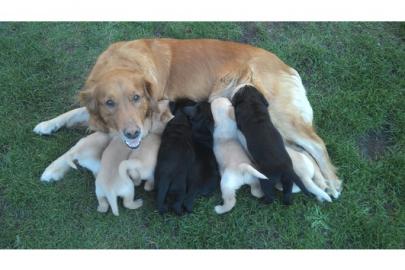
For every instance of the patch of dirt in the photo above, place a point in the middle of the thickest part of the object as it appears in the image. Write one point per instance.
(159, 29)
(374, 143)
(249, 34)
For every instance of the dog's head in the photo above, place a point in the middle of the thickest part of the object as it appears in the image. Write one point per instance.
(200, 116)
(222, 110)
(120, 102)
(249, 94)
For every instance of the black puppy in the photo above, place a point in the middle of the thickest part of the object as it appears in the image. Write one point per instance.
(175, 160)
(265, 143)
(205, 176)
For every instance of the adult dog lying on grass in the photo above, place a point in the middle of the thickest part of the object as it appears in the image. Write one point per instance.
(130, 77)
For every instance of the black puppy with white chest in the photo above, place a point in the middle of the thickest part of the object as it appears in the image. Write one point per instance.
(205, 176)
(174, 162)
(265, 143)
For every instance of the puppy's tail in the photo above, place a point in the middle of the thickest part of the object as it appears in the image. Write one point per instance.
(247, 168)
(129, 165)
(112, 200)
(292, 176)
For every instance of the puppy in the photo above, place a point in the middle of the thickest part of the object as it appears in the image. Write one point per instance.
(174, 163)
(142, 161)
(265, 143)
(206, 175)
(109, 184)
(234, 164)
(306, 168)
(86, 152)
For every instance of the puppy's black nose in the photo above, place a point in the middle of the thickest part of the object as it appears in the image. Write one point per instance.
(132, 134)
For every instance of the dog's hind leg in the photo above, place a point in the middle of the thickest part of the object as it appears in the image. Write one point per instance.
(79, 116)
(256, 190)
(228, 190)
(102, 205)
(268, 186)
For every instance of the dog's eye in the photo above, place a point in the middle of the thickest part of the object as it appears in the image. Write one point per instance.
(135, 98)
(110, 103)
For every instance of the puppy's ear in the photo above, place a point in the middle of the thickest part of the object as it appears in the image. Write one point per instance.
(149, 93)
(172, 107)
(263, 99)
(231, 113)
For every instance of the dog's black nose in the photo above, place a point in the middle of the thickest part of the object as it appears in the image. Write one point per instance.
(132, 135)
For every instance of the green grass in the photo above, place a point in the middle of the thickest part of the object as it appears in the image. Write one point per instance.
(355, 77)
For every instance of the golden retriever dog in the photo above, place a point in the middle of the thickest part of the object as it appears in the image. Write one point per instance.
(86, 152)
(109, 184)
(234, 164)
(142, 161)
(130, 77)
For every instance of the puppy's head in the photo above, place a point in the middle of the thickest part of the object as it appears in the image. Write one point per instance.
(161, 117)
(200, 116)
(120, 102)
(222, 110)
(249, 94)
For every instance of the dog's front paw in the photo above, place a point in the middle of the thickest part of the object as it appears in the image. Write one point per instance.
(52, 173)
(46, 127)
(102, 208)
(220, 209)
(149, 186)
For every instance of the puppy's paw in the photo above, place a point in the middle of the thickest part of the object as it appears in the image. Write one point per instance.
(46, 127)
(257, 192)
(149, 186)
(52, 173)
(220, 209)
(102, 208)
(134, 204)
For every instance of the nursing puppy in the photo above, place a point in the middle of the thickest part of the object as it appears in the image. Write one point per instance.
(234, 164)
(86, 152)
(205, 177)
(142, 161)
(306, 169)
(265, 143)
(109, 184)
(174, 163)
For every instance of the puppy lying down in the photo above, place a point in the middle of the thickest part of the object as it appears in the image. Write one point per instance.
(235, 166)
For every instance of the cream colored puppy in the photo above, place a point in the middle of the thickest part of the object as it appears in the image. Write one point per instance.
(142, 161)
(86, 152)
(109, 184)
(234, 164)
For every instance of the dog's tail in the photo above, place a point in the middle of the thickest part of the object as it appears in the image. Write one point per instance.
(292, 176)
(112, 200)
(247, 168)
(129, 165)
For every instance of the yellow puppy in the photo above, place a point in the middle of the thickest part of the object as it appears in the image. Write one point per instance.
(142, 161)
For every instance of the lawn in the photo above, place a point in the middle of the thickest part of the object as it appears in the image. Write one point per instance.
(355, 77)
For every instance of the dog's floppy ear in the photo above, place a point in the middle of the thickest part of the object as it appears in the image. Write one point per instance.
(149, 93)
(87, 99)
